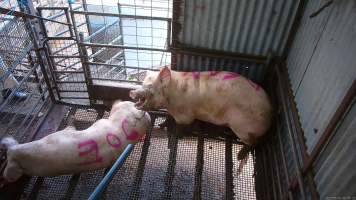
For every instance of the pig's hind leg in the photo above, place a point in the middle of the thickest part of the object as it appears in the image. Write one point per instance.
(12, 171)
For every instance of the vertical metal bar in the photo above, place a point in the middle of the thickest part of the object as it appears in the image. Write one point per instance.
(289, 130)
(276, 164)
(171, 166)
(229, 183)
(141, 165)
(53, 75)
(86, 68)
(68, 21)
(199, 168)
(169, 24)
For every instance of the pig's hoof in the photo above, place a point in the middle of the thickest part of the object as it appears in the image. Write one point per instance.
(3, 182)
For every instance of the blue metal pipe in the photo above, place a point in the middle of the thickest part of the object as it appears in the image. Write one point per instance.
(110, 175)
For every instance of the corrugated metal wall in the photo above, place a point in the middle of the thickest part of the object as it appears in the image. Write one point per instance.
(322, 67)
(245, 26)
(335, 170)
(322, 63)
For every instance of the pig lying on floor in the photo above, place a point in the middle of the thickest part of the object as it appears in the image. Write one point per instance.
(70, 151)
(221, 98)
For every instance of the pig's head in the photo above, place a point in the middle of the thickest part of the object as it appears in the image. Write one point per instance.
(151, 95)
(126, 110)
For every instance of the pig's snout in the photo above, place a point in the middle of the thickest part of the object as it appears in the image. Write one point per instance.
(140, 96)
(133, 95)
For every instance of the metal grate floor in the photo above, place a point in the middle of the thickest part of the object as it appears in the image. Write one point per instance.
(164, 166)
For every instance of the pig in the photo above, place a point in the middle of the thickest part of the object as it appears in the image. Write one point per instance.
(222, 98)
(71, 151)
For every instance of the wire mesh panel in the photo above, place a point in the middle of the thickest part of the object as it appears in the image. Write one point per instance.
(23, 91)
(126, 39)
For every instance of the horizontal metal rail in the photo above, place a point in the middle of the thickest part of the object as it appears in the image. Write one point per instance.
(122, 47)
(124, 66)
(121, 15)
(6, 11)
(117, 80)
(66, 71)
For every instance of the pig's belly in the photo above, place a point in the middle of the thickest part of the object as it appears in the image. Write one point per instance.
(67, 157)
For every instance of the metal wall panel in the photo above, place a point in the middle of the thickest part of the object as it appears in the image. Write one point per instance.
(325, 69)
(245, 26)
(335, 170)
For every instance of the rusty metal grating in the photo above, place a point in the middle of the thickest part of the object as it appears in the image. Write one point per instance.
(164, 166)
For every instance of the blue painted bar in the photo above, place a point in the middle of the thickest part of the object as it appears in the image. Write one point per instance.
(110, 175)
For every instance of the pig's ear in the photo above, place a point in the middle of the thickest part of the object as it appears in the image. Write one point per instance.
(164, 75)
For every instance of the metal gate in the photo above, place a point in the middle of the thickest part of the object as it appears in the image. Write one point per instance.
(99, 56)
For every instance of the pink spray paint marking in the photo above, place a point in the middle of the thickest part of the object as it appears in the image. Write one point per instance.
(133, 135)
(254, 85)
(113, 140)
(213, 73)
(89, 147)
(230, 75)
(196, 75)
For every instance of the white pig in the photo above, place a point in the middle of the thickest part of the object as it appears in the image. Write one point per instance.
(71, 151)
(221, 98)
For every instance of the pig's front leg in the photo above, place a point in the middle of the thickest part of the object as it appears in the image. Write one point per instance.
(186, 118)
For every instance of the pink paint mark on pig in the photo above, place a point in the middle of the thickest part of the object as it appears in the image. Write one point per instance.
(89, 147)
(213, 73)
(133, 135)
(230, 75)
(254, 85)
(113, 140)
(196, 75)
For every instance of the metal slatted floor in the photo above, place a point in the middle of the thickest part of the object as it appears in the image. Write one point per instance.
(166, 165)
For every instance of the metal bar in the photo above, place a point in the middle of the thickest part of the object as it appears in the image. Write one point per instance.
(169, 33)
(73, 90)
(284, 162)
(104, 48)
(70, 72)
(6, 11)
(86, 68)
(273, 151)
(110, 79)
(171, 166)
(69, 97)
(290, 135)
(229, 179)
(64, 56)
(50, 67)
(199, 168)
(59, 38)
(122, 47)
(294, 117)
(110, 175)
(119, 15)
(70, 82)
(64, 48)
(100, 30)
(128, 67)
(143, 158)
(329, 131)
(219, 54)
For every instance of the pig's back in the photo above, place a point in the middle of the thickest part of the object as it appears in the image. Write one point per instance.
(225, 92)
